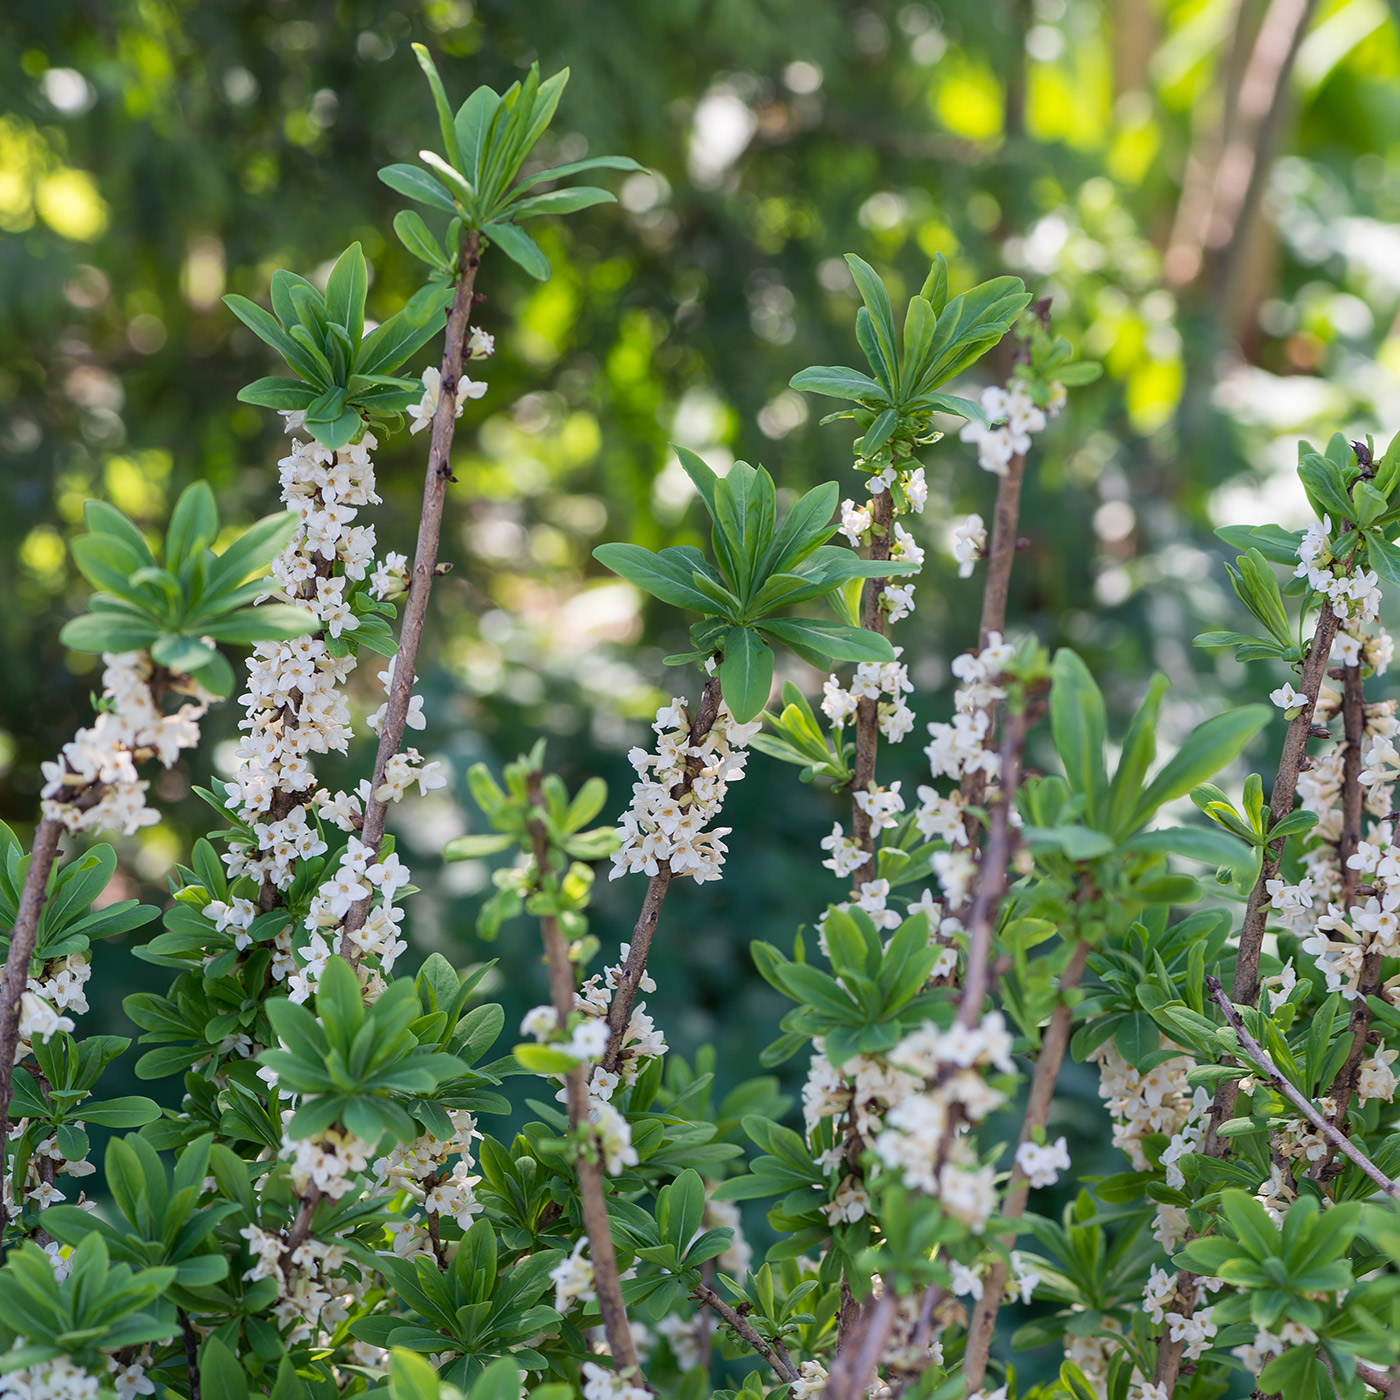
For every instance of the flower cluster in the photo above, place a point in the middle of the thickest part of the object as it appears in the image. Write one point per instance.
(1013, 416)
(93, 785)
(873, 680)
(1158, 1102)
(295, 705)
(680, 789)
(316, 1291)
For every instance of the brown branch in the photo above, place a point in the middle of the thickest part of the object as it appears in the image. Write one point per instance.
(1296, 1097)
(855, 1365)
(1377, 1380)
(592, 1192)
(1211, 127)
(634, 969)
(1244, 163)
(872, 618)
(191, 1352)
(1053, 1045)
(776, 1355)
(1245, 986)
(992, 870)
(1001, 555)
(420, 586)
(301, 1226)
(1369, 982)
(23, 937)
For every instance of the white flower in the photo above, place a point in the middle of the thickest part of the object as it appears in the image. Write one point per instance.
(855, 522)
(480, 345)
(1286, 698)
(1043, 1164)
(969, 544)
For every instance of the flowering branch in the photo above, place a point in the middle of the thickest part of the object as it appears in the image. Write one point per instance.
(415, 613)
(868, 707)
(592, 1197)
(629, 980)
(1299, 1100)
(16, 978)
(1053, 1045)
(1245, 987)
(1369, 982)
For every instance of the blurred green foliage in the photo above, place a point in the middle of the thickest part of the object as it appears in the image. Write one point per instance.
(155, 155)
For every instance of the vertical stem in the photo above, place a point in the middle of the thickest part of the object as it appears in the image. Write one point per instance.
(855, 1365)
(868, 709)
(996, 860)
(16, 978)
(420, 586)
(1053, 1045)
(1244, 163)
(1368, 984)
(1245, 988)
(592, 1192)
(1001, 555)
(191, 1352)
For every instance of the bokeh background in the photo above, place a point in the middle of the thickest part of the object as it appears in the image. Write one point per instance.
(1208, 189)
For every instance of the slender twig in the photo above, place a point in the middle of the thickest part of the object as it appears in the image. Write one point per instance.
(868, 707)
(1053, 1045)
(420, 586)
(191, 1352)
(1295, 1096)
(592, 1192)
(634, 969)
(776, 1355)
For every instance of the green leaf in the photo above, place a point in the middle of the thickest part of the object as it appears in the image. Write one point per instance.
(838, 382)
(577, 167)
(220, 1373)
(193, 524)
(1206, 751)
(1137, 1037)
(266, 622)
(444, 111)
(746, 673)
(663, 575)
(877, 303)
(346, 291)
(418, 238)
(99, 632)
(418, 184)
(278, 392)
(835, 641)
(1139, 749)
(1079, 726)
(561, 202)
(520, 248)
(474, 847)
